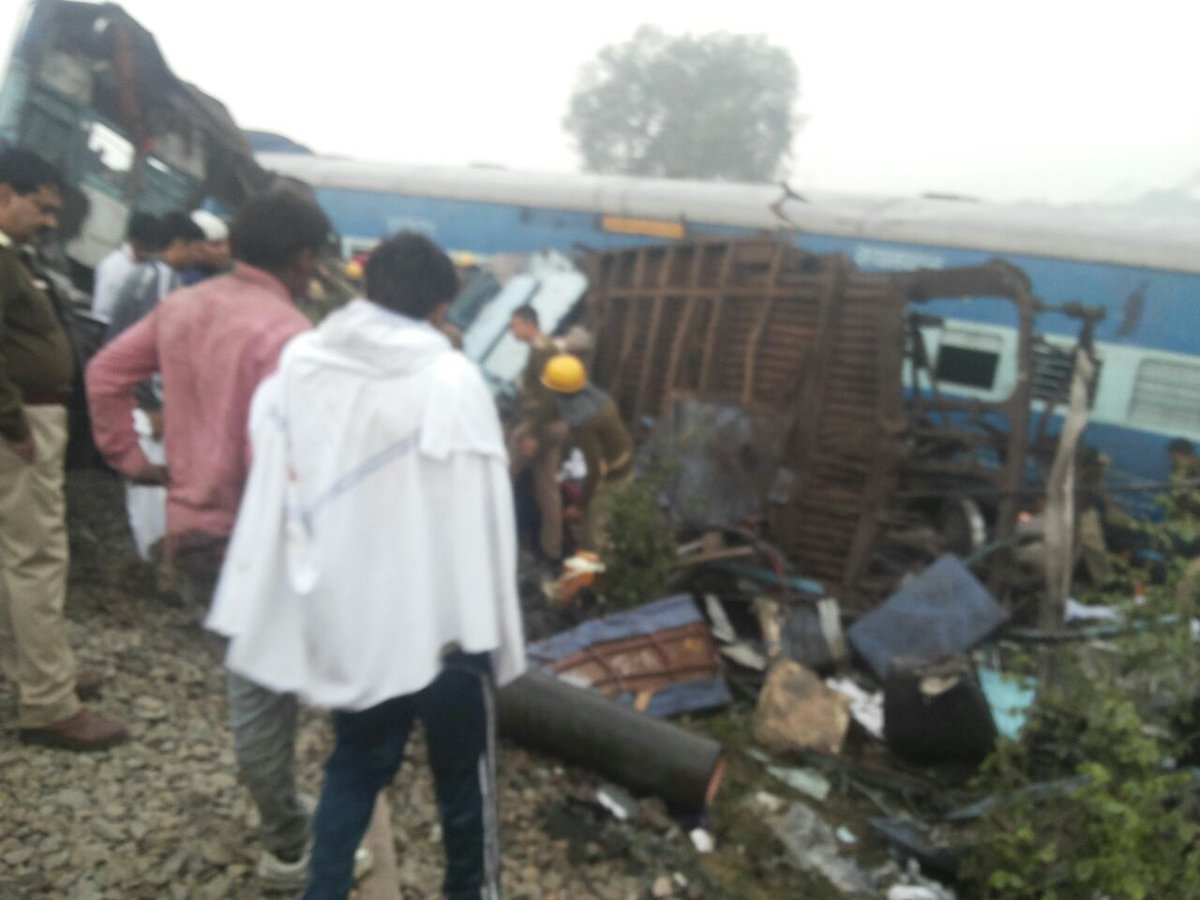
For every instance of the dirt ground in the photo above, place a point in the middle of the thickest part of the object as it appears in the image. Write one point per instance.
(164, 816)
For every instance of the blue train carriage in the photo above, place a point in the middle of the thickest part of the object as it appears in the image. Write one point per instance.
(87, 88)
(1142, 272)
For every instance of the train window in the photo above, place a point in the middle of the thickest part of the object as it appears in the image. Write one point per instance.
(48, 135)
(1053, 367)
(109, 159)
(1166, 395)
(970, 367)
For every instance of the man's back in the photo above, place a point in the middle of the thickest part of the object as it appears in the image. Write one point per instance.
(213, 343)
(217, 341)
(393, 459)
(142, 289)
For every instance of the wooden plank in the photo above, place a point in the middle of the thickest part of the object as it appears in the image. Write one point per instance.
(649, 362)
(710, 339)
(756, 334)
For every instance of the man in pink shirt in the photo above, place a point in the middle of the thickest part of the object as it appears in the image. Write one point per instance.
(212, 344)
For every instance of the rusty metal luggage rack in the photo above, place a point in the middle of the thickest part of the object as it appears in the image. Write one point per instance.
(765, 325)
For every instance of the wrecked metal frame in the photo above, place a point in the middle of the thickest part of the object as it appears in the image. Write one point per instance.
(761, 324)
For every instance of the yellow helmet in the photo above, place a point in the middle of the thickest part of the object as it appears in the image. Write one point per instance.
(564, 374)
(354, 270)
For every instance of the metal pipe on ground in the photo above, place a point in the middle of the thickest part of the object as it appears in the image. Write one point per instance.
(645, 755)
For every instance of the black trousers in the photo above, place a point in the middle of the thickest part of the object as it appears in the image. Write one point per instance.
(456, 710)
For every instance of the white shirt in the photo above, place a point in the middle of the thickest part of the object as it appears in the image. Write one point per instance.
(110, 276)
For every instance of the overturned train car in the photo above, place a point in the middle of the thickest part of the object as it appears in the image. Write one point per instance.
(87, 88)
(859, 463)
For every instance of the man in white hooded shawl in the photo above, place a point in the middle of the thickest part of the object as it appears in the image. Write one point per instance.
(372, 569)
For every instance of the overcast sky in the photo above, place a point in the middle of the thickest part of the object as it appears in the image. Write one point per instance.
(1057, 100)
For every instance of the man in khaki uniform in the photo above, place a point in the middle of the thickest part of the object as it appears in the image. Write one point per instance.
(606, 444)
(37, 368)
(538, 440)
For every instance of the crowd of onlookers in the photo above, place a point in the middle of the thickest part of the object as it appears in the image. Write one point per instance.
(338, 499)
(208, 376)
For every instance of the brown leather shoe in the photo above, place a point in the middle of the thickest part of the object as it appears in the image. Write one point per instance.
(88, 683)
(84, 731)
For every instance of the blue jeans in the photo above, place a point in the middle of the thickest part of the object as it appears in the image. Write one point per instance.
(456, 710)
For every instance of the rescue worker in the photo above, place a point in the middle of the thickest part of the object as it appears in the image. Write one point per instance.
(538, 439)
(597, 430)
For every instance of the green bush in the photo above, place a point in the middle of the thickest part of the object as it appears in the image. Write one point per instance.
(1123, 828)
(641, 547)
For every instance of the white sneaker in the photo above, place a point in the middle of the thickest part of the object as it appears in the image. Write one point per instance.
(278, 875)
(364, 862)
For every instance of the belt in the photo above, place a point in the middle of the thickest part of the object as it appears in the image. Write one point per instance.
(45, 398)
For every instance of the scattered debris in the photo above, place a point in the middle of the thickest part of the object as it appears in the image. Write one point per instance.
(811, 846)
(769, 613)
(643, 754)
(617, 801)
(1058, 787)
(866, 707)
(702, 840)
(797, 712)
(913, 892)
(942, 611)
(812, 634)
(1082, 612)
(745, 655)
(806, 781)
(936, 712)
(578, 572)
(910, 884)
(721, 459)
(722, 628)
(772, 579)
(659, 658)
(1010, 698)
(768, 802)
(911, 841)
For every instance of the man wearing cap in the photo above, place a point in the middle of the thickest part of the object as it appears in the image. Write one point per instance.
(214, 257)
(601, 436)
(37, 368)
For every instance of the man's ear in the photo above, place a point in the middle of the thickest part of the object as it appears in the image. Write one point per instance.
(306, 261)
(438, 316)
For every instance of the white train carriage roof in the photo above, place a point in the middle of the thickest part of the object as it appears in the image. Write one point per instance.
(1113, 235)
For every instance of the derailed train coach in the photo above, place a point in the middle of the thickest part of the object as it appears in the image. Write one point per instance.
(1140, 273)
(87, 88)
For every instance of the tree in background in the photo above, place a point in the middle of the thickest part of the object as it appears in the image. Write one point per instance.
(717, 106)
